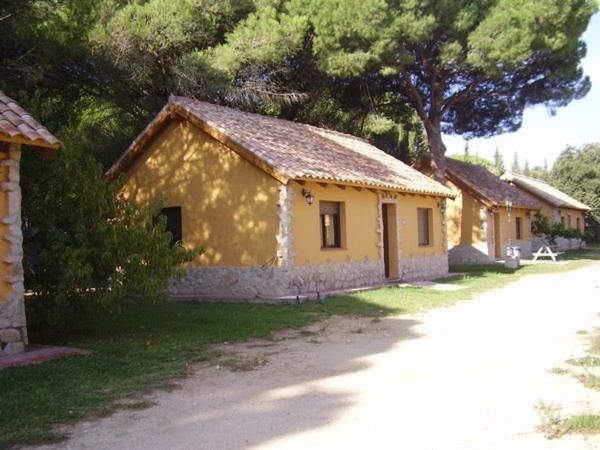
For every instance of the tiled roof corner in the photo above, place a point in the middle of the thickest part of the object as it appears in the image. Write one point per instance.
(489, 185)
(481, 182)
(18, 124)
(544, 191)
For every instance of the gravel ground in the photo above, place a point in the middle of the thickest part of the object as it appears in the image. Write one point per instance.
(464, 377)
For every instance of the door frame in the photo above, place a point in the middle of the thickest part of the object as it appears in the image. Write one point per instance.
(497, 236)
(390, 237)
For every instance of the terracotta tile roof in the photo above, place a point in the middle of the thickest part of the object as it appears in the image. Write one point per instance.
(544, 191)
(17, 125)
(481, 183)
(489, 186)
(293, 150)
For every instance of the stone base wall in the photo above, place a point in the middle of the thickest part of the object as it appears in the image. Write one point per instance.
(468, 254)
(563, 244)
(253, 282)
(13, 331)
(425, 268)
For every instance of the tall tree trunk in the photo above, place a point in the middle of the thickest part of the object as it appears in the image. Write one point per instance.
(438, 151)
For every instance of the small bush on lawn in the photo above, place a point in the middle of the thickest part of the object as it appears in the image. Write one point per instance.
(86, 248)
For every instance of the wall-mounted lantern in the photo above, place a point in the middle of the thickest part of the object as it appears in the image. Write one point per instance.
(310, 198)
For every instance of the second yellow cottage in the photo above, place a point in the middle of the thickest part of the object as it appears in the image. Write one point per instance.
(487, 216)
(283, 208)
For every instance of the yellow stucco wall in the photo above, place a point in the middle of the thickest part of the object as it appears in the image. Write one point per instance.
(361, 225)
(508, 228)
(548, 211)
(465, 226)
(5, 271)
(231, 208)
(360, 237)
(409, 241)
(227, 205)
(574, 213)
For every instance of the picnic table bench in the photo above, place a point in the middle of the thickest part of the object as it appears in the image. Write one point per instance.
(547, 250)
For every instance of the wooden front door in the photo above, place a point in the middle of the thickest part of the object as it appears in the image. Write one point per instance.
(386, 239)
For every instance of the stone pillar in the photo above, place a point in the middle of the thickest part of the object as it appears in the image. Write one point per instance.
(444, 207)
(13, 331)
(285, 252)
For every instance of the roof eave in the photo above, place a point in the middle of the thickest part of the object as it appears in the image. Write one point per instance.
(38, 143)
(534, 192)
(373, 186)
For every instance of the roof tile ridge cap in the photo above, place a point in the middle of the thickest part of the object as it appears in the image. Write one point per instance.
(340, 133)
(519, 175)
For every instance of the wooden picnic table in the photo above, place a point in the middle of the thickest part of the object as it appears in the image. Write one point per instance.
(547, 250)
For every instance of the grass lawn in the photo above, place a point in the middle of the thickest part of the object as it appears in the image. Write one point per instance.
(585, 423)
(585, 369)
(147, 347)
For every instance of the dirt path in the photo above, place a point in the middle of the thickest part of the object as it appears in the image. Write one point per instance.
(465, 377)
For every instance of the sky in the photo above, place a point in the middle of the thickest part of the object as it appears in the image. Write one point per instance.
(542, 136)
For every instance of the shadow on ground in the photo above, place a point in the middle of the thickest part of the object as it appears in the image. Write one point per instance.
(147, 347)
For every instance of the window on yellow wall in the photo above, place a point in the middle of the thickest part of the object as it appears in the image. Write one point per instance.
(424, 226)
(578, 223)
(173, 216)
(569, 220)
(562, 220)
(331, 232)
(519, 225)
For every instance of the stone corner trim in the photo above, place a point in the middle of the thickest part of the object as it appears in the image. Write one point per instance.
(13, 331)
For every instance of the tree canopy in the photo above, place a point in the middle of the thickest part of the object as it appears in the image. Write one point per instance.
(577, 172)
(469, 68)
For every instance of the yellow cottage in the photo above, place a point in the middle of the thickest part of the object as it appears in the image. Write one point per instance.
(283, 208)
(486, 216)
(17, 128)
(557, 206)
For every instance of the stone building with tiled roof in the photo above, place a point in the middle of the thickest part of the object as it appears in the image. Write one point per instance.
(17, 128)
(557, 206)
(283, 208)
(487, 216)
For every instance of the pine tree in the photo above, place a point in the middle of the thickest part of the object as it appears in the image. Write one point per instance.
(498, 162)
(516, 168)
(467, 68)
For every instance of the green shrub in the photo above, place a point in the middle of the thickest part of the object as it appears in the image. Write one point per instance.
(85, 248)
(589, 236)
(540, 225)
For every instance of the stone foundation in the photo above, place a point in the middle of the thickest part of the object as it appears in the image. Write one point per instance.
(425, 268)
(468, 254)
(563, 244)
(13, 331)
(269, 282)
